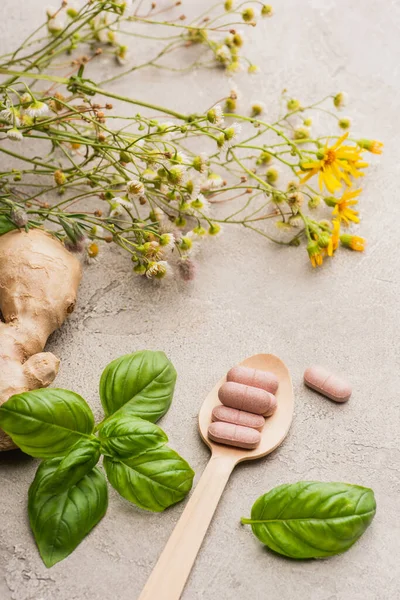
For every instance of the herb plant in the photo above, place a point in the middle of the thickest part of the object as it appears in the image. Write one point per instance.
(68, 496)
(164, 180)
(310, 519)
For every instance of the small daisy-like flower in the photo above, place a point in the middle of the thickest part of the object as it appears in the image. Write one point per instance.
(175, 174)
(150, 175)
(158, 270)
(293, 104)
(267, 10)
(216, 116)
(139, 269)
(340, 100)
(334, 164)
(134, 188)
(55, 25)
(121, 55)
(343, 208)
(272, 175)
(37, 109)
(253, 69)
(14, 134)
(314, 202)
(248, 14)
(257, 109)
(199, 162)
(232, 132)
(180, 158)
(213, 182)
(192, 187)
(215, 230)
(118, 206)
(344, 123)
(301, 133)
(201, 204)
(371, 146)
(234, 67)
(92, 251)
(354, 242)
(199, 232)
(12, 115)
(167, 241)
(223, 54)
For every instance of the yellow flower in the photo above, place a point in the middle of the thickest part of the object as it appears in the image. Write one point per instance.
(335, 164)
(334, 239)
(315, 253)
(354, 242)
(342, 209)
(371, 145)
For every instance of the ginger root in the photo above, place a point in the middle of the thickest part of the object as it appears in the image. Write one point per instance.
(39, 280)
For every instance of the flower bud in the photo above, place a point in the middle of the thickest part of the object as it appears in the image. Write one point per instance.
(267, 10)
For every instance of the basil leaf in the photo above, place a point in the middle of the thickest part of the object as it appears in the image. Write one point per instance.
(153, 481)
(46, 423)
(61, 521)
(143, 383)
(76, 463)
(310, 519)
(6, 224)
(125, 435)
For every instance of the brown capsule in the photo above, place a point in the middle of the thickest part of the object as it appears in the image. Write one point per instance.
(234, 435)
(247, 398)
(237, 417)
(330, 385)
(255, 377)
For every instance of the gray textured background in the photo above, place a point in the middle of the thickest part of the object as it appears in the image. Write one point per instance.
(249, 297)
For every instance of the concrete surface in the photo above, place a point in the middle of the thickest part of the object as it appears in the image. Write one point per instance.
(249, 296)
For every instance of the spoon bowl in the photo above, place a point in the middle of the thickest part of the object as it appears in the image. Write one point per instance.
(276, 427)
(169, 576)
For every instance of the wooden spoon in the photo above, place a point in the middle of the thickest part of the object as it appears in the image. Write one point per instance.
(169, 576)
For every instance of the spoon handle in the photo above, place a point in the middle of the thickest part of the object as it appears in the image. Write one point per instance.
(169, 576)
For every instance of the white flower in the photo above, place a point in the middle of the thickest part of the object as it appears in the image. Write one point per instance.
(232, 132)
(219, 115)
(192, 187)
(159, 270)
(180, 158)
(37, 109)
(135, 188)
(235, 94)
(118, 206)
(55, 24)
(213, 182)
(223, 54)
(11, 115)
(150, 174)
(200, 162)
(14, 134)
(167, 241)
(201, 204)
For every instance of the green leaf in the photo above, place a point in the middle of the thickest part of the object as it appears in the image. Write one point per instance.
(310, 519)
(124, 435)
(153, 481)
(76, 463)
(143, 383)
(6, 224)
(61, 521)
(46, 423)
